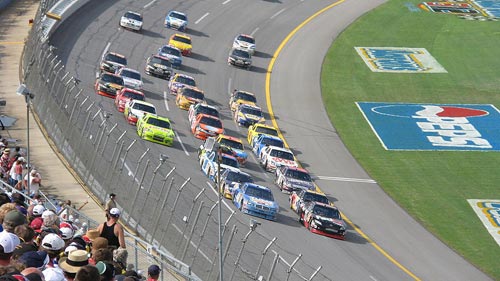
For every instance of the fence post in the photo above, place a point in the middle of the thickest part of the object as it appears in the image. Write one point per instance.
(163, 205)
(315, 273)
(91, 166)
(202, 234)
(273, 265)
(139, 187)
(264, 252)
(190, 213)
(188, 240)
(289, 270)
(138, 163)
(107, 138)
(243, 242)
(173, 209)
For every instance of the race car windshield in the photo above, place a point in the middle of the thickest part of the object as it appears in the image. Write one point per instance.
(178, 16)
(246, 39)
(313, 197)
(115, 58)
(112, 79)
(170, 51)
(208, 110)
(281, 154)
(273, 142)
(241, 53)
(267, 131)
(211, 122)
(238, 177)
(246, 97)
(159, 123)
(133, 95)
(144, 107)
(251, 111)
(192, 93)
(131, 74)
(182, 39)
(231, 143)
(326, 212)
(230, 162)
(157, 60)
(298, 175)
(133, 16)
(186, 80)
(259, 193)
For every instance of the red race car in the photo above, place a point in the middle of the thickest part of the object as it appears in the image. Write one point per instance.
(125, 95)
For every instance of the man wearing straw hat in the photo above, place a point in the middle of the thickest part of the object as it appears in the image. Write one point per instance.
(75, 260)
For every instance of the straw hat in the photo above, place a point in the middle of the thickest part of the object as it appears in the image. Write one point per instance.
(92, 234)
(75, 260)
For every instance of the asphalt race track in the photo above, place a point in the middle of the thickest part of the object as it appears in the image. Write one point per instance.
(401, 248)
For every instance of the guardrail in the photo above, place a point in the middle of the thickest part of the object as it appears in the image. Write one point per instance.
(166, 209)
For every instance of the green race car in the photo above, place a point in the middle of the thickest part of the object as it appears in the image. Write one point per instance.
(156, 129)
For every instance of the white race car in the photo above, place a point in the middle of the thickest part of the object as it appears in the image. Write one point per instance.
(131, 20)
(131, 78)
(244, 42)
(272, 156)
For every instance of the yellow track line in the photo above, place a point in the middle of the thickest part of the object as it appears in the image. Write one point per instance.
(275, 124)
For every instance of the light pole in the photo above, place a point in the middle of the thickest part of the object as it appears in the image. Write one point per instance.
(23, 91)
(219, 161)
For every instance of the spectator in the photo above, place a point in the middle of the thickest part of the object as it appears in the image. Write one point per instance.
(35, 182)
(53, 274)
(4, 163)
(37, 259)
(16, 173)
(73, 263)
(25, 233)
(103, 254)
(87, 273)
(50, 222)
(33, 274)
(53, 245)
(4, 198)
(35, 211)
(153, 273)
(20, 201)
(106, 270)
(110, 204)
(97, 243)
(8, 243)
(120, 256)
(113, 231)
(4, 209)
(12, 219)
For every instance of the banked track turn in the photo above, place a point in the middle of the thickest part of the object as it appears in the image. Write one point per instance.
(410, 251)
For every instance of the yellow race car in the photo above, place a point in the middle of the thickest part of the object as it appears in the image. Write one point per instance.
(258, 129)
(241, 97)
(182, 42)
(187, 96)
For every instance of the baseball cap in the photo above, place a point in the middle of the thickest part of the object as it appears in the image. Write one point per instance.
(36, 224)
(13, 218)
(8, 241)
(53, 274)
(106, 269)
(154, 269)
(115, 212)
(38, 210)
(38, 259)
(66, 233)
(53, 242)
(21, 159)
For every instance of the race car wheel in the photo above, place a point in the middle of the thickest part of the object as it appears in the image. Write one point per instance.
(309, 225)
(301, 217)
(142, 133)
(241, 206)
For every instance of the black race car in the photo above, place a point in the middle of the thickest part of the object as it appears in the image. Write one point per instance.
(159, 66)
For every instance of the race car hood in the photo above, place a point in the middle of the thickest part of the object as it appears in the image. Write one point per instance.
(300, 184)
(332, 220)
(160, 129)
(286, 162)
(252, 117)
(171, 58)
(131, 21)
(138, 113)
(211, 128)
(263, 202)
(132, 82)
(178, 85)
(113, 64)
(181, 45)
(176, 21)
(245, 45)
(113, 85)
(238, 102)
(240, 153)
(223, 167)
(159, 65)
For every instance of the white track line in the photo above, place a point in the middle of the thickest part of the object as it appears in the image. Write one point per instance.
(346, 179)
(165, 100)
(149, 4)
(229, 90)
(254, 31)
(225, 2)
(106, 49)
(182, 145)
(131, 174)
(279, 12)
(202, 17)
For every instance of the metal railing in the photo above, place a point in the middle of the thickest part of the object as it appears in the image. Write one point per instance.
(167, 210)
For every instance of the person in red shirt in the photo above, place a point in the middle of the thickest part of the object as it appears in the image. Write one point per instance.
(153, 273)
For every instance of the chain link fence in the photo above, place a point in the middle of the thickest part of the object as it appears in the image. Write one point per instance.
(168, 211)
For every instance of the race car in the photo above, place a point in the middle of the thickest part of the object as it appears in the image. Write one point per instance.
(299, 198)
(182, 42)
(272, 157)
(131, 20)
(236, 146)
(210, 164)
(125, 95)
(323, 219)
(135, 109)
(178, 81)
(131, 78)
(188, 96)
(155, 129)
(108, 84)
(259, 129)
(229, 178)
(158, 66)
(239, 97)
(176, 20)
(241, 58)
(244, 42)
(290, 179)
(205, 126)
(247, 115)
(255, 200)
(173, 54)
(112, 61)
(201, 108)
(263, 140)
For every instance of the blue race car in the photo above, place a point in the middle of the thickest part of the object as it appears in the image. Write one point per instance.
(173, 54)
(176, 20)
(229, 178)
(210, 166)
(255, 200)
(261, 141)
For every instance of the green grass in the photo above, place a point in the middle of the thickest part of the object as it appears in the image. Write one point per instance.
(432, 186)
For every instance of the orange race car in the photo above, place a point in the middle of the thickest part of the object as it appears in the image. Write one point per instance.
(205, 126)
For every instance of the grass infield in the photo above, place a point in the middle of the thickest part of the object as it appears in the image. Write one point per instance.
(432, 186)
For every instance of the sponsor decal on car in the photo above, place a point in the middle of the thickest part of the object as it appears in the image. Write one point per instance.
(488, 211)
(407, 126)
(399, 60)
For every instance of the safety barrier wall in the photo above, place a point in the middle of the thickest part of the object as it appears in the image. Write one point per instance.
(169, 212)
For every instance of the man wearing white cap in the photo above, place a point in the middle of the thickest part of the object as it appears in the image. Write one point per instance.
(8, 243)
(112, 230)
